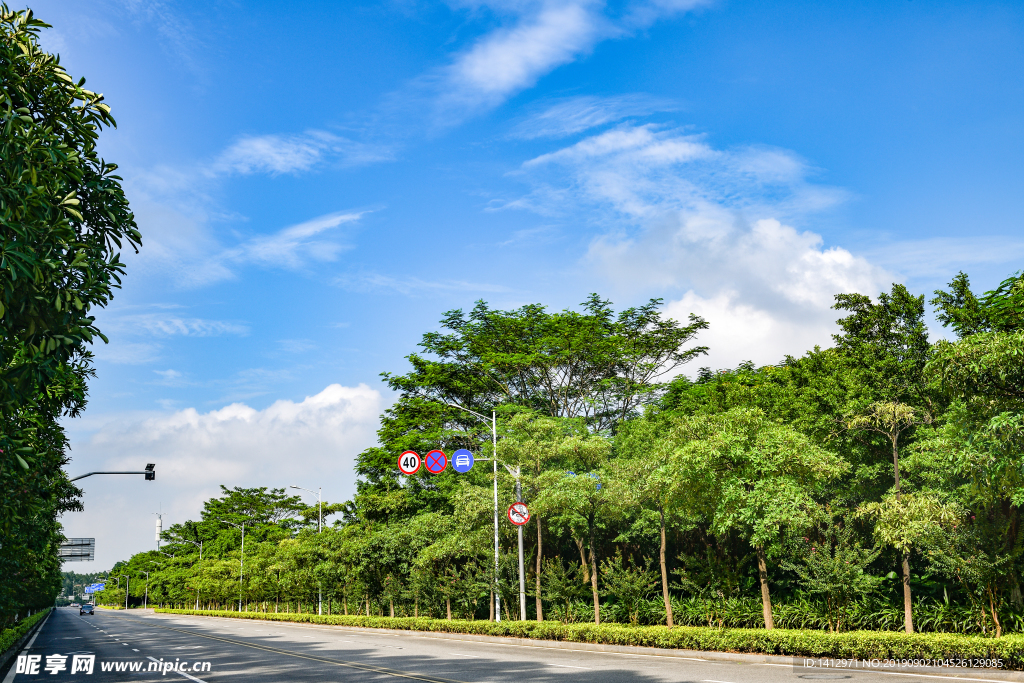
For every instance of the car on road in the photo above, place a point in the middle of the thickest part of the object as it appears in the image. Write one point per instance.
(85, 609)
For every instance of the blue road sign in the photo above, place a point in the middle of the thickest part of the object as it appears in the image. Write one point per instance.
(436, 461)
(462, 461)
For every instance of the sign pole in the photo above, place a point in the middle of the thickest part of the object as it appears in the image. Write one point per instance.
(494, 461)
(522, 577)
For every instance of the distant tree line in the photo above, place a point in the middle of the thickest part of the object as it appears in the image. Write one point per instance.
(873, 484)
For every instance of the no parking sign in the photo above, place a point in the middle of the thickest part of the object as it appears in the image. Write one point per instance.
(436, 461)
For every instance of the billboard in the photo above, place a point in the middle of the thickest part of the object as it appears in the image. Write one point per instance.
(78, 550)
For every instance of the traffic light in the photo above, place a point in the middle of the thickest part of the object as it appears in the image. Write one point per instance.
(150, 472)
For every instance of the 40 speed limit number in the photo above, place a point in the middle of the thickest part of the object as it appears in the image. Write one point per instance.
(409, 462)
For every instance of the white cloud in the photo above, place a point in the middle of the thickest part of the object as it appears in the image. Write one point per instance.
(295, 245)
(163, 325)
(533, 39)
(311, 443)
(184, 248)
(939, 257)
(278, 154)
(716, 225)
(368, 282)
(576, 114)
(511, 59)
(168, 375)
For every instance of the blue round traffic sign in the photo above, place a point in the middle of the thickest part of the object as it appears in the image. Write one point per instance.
(462, 461)
(436, 461)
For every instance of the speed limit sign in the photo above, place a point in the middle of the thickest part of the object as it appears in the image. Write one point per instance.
(518, 514)
(409, 462)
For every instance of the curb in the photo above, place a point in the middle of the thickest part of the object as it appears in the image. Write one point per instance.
(978, 674)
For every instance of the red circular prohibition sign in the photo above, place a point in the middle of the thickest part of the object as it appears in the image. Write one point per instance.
(436, 461)
(518, 514)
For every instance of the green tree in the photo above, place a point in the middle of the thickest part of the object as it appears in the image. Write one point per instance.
(651, 479)
(754, 476)
(594, 365)
(63, 220)
(586, 504)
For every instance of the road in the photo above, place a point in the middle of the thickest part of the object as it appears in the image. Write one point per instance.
(207, 650)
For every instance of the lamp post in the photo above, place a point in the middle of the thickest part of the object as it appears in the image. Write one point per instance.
(145, 600)
(241, 569)
(515, 472)
(319, 528)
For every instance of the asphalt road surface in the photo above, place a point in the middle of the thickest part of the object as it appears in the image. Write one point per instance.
(139, 646)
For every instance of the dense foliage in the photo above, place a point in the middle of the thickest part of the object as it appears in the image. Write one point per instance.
(63, 221)
(875, 484)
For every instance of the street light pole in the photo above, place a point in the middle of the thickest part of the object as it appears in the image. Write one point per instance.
(145, 600)
(522, 574)
(241, 569)
(319, 528)
(494, 447)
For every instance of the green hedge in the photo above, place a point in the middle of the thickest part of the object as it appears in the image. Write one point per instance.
(10, 636)
(798, 643)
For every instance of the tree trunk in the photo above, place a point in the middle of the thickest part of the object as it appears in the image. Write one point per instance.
(367, 604)
(540, 553)
(583, 560)
(344, 604)
(995, 613)
(416, 606)
(766, 600)
(593, 581)
(908, 612)
(492, 606)
(664, 574)
(391, 604)
(448, 604)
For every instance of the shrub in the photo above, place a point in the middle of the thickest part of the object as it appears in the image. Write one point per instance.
(9, 636)
(793, 642)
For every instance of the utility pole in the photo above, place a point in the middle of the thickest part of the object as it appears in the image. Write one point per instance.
(522, 573)
(494, 459)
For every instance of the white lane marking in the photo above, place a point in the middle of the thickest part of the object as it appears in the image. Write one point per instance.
(457, 654)
(134, 650)
(711, 680)
(567, 666)
(198, 680)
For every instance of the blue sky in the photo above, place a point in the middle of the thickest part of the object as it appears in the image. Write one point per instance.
(316, 183)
